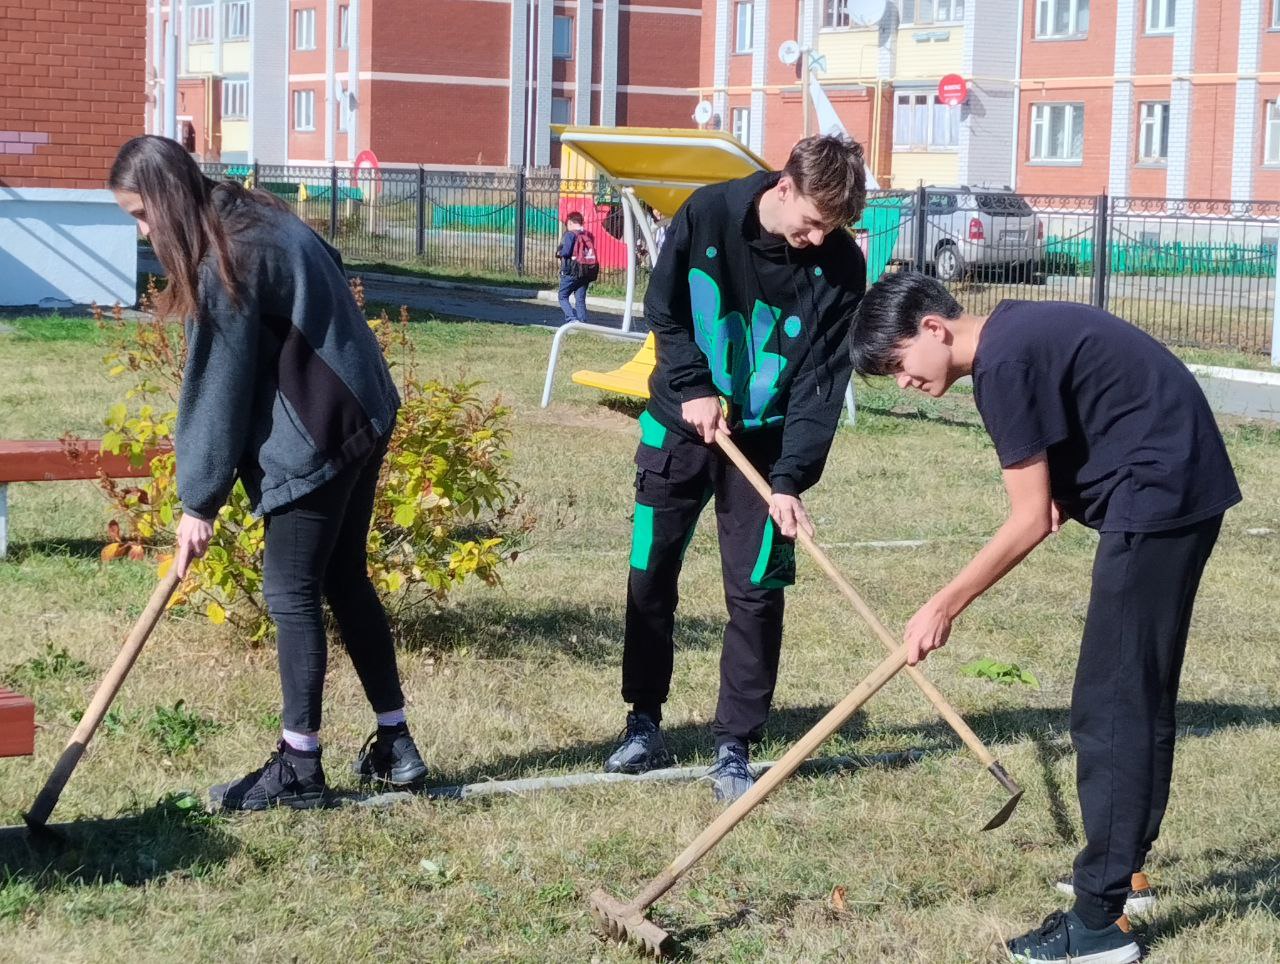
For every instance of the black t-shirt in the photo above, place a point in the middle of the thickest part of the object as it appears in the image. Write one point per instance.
(1131, 443)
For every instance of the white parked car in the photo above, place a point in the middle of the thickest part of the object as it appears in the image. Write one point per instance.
(973, 231)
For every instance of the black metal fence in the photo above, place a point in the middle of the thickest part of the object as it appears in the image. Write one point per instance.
(497, 226)
(1192, 272)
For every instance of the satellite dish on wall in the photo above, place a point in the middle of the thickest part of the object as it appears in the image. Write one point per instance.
(702, 113)
(865, 13)
(789, 52)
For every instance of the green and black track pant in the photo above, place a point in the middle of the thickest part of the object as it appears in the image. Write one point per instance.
(675, 479)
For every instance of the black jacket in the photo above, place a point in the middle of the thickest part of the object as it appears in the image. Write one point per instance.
(763, 324)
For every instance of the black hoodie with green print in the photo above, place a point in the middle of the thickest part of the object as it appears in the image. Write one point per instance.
(738, 312)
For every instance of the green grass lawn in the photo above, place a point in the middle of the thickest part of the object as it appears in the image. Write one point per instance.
(523, 680)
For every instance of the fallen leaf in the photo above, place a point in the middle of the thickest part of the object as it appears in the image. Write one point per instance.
(837, 898)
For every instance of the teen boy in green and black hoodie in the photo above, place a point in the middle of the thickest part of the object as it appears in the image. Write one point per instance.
(750, 303)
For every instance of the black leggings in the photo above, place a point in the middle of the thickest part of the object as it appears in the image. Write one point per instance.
(316, 551)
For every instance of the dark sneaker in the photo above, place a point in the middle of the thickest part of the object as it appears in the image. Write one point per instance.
(290, 778)
(731, 775)
(1141, 900)
(1063, 939)
(390, 755)
(642, 748)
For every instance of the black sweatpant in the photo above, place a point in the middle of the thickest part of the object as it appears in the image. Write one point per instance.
(675, 479)
(316, 551)
(1122, 707)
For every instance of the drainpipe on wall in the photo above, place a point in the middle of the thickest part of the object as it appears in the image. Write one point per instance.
(353, 80)
(330, 77)
(1017, 100)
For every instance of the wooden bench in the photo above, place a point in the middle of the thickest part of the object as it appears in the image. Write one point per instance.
(60, 461)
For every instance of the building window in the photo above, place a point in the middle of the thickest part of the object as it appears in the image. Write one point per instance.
(304, 110)
(1271, 148)
(1057, 132)
(924, 13)
(304, 29)
(344, 27)
(1275, 15)
(835, 13)
(1062, 18)
(743, 37)
(922, 122)
(235, 99)
(562, 38)
(236, 20)
(1153, 137)
(201, 23)
(562, 110)
(1160, 16)
(740, 123)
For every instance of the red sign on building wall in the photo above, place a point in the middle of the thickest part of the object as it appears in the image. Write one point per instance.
(952, 90)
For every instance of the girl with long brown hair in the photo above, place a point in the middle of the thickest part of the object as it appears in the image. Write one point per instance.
(286, 389)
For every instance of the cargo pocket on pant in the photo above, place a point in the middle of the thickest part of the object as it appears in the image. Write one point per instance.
(776, 564)
(653, 468)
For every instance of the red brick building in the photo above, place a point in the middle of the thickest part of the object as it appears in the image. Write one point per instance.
(72, 72)
(476, 83)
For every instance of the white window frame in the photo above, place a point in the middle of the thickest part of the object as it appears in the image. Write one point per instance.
(558, 24)
(1161, 16)
(835, 15)
(1271, 133)
(744, 26)
(304, 109)
(1040, 127)
(344, 26)
(200, 20)
(304, 28)
(905, 105)
(740, 124)
(235, 98)
(930, 13)
(1046, 18)
(235, 20)
(1153, 132)
(1275, 15)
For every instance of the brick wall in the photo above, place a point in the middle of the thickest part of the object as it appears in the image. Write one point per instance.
(73, 72)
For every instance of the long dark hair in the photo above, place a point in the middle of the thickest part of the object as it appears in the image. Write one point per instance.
(183, 210)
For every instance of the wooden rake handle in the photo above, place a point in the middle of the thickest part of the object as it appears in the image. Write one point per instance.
(940, 703)
(47, 799)
(836, 717)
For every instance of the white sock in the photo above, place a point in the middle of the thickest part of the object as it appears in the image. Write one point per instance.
(391, 717)
(306, 742)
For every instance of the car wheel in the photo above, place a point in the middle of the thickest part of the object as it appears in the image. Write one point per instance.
(949, 263)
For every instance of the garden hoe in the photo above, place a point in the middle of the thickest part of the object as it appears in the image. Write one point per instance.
(38, 816)
(623, 921)
(935, 697)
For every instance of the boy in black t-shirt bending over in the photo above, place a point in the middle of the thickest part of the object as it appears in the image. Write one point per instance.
(1093, 420)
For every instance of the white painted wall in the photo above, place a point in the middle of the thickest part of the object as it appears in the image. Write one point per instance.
(61, 246)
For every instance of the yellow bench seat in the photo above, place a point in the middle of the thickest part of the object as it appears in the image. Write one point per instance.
(631, 379)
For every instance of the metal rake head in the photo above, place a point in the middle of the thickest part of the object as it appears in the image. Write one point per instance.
(1015, 796)
(622, 922)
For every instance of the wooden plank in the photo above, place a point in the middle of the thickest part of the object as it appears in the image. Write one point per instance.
(17, 724)
(56, 461)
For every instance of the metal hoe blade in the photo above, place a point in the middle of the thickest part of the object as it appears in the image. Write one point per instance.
(1015, 796)
(623, 922)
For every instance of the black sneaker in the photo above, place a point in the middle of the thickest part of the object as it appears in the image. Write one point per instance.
(1063, 939)
(731, 774)
(290, 778)
(641, 748)
(1140, 902)
(391, 756)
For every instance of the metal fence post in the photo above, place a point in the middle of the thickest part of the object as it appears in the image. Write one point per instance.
(921, 221)
(333, 202)
(1275, 314)
(521, 196)
(256, 181)
(420, 230)
(1101, 250)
